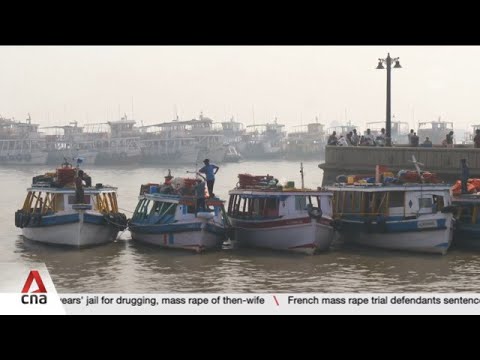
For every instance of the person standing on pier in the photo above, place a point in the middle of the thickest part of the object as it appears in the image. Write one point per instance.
(414, 140)
(410, 135)
(449, 139)
(355, 139)
(381, 138)
(465, 175)
(332, 139)
(427, 142)
(476, 139)
(210, 171)
(370, 139)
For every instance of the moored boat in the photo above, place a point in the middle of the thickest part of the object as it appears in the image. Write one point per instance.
(265, 215)
(410, 216)
(51, 215)
(174, 215)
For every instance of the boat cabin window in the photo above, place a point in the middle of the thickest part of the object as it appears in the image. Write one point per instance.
(40, 203)
(144, 208)
(253, 207)
(161, 208)
(355, 202)
(467, 214)
(72, 199)
(397, 199)
(300, 203)
(438, 202)
(424, 203)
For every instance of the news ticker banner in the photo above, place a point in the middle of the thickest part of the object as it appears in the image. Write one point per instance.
(28, 289)
(271, 304)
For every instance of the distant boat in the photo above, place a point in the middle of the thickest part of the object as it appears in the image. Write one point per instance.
(306, 142)
(21, 143)
(436, 131)
(264, 141)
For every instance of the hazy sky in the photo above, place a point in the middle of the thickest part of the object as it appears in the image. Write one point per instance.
(60, 84)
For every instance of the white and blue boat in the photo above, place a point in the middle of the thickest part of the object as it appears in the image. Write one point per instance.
(411, 216)
(170, 217)
(51, 215)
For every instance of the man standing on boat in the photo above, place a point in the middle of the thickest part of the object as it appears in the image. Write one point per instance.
(210, 171)
(79, 193)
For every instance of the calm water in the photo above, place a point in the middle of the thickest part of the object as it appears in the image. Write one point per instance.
(128, 267)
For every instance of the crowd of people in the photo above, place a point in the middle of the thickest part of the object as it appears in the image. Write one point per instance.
(369, 139)
(353, 139)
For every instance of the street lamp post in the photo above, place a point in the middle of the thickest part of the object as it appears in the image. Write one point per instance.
(388, 61)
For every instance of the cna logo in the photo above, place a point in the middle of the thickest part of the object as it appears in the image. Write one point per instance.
(32, 297)
(34, 275)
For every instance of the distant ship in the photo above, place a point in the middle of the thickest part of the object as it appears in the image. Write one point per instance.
(21, 143)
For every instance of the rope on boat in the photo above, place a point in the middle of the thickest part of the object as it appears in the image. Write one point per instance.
(119, 220)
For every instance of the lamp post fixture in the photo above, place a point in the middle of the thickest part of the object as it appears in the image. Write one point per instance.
(388, 61)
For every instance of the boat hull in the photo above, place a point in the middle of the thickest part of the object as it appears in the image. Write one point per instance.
(468, 236)
(77, 233)
(306, 236)
(196, 237)
(406, 235)
(34, 158)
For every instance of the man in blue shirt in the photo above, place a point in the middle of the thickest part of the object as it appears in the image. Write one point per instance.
(210, 170)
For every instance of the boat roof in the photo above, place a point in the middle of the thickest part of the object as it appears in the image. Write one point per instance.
(467, 198)
(264, 125)
(383, 122)
(71, 190)
(173, 198)
(277, 193)
(388, 187)
(447, 123)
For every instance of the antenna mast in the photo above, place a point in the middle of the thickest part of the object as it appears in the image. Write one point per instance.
(303, 176)
(133, 117)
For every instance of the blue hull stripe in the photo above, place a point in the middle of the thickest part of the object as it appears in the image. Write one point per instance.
(354, 226)
(168, 228)
(175, 228)
(58, 220)
(53, 220)
(94, 219)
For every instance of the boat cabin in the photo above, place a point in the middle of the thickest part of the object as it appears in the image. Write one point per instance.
(258, 205)
(49, 200)
(396, 200)
(157, 208)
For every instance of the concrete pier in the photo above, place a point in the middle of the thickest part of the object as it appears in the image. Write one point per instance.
(362, 160)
